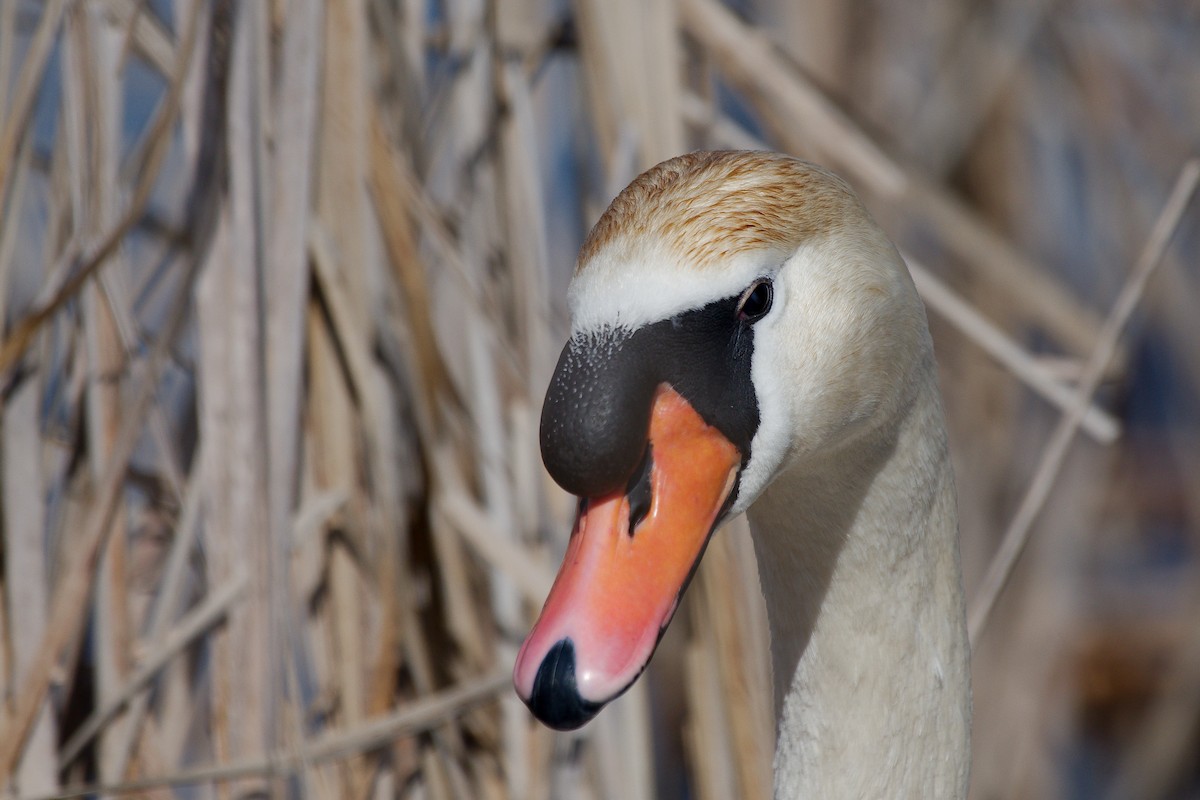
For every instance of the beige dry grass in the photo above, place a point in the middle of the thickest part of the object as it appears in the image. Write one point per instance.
(280, 288)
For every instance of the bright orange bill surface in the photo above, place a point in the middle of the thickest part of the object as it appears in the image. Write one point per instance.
(617, 589)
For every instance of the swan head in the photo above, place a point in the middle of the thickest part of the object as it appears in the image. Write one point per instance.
(734, 315)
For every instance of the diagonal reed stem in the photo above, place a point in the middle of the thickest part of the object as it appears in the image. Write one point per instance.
(1053, 457)
(420, 716)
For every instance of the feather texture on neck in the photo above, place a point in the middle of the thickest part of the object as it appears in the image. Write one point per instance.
(858, 559)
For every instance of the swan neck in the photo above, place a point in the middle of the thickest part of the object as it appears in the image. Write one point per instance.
(858, 558)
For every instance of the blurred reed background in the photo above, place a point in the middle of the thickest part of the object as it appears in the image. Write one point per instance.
(282, 284)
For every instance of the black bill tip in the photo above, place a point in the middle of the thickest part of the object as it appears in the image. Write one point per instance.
(555, 699)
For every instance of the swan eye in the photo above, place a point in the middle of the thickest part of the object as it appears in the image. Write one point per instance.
(756, 302)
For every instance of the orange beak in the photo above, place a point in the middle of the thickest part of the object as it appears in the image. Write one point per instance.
(618, 588)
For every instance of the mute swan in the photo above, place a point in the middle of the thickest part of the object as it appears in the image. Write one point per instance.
(744, 338)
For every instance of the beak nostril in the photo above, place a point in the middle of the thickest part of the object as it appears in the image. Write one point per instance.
(555, 699)
(640, 491)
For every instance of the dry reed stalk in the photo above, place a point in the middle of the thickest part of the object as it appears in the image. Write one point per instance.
(8, 36)
(523, 207)
(397, 193)
(1019, 529)
(734, 612)
(540, 763)
(115, 283)
(93, 55)
(16, 122)
(157, 655)
(35, 748)
(1170, 298)
(987, 52)
(437, 765)
(600, 92)
(312, 554)
(485, 406)
(388, 521)
(1034, 373)
(813, 121)
(23, 586)
(943, 300)
(170, 599)
(334, 434)
(343, 158)
(820, 35)
(394, 196)
(1025, 708)
(26, 574)
(495, 546)
(143, 36)
(631, 52)
(373, 689)
(622, 748)
(70, 603)
(407, 527)
(419, 717)
(388, 580)
(10, 223)
(232, 419)
(719, 131)
(56, 293)
(229, 404)
(706, 731)
(287, 285)
(463, 621)
(387, 525)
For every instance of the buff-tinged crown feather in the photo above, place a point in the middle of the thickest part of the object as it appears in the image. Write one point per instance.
(707, 206)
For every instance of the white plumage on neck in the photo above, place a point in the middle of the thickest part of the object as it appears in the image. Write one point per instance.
(858, 557)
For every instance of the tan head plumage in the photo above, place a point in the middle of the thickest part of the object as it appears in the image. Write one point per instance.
(704, 207)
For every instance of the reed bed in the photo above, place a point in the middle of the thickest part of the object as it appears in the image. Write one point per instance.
(281, 286)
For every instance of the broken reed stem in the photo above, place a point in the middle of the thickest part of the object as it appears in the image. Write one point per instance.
(1018, 532)
(419, 717)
